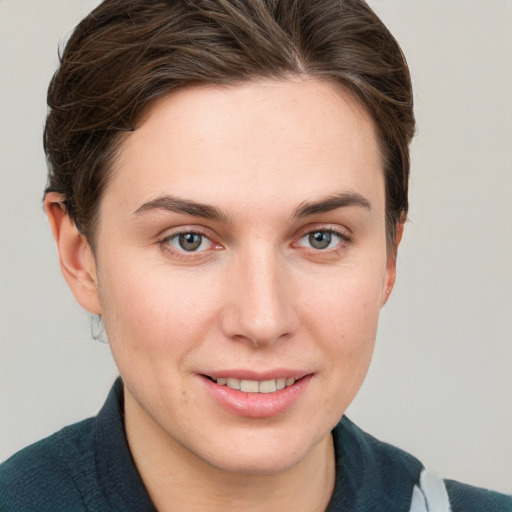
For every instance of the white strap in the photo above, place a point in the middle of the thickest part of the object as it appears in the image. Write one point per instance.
(431, 495)
(418, 503)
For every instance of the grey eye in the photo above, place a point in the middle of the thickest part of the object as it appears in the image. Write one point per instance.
(189, 241)
(320, 239)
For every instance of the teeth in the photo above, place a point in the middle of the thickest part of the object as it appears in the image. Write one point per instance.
(267, 386)
(233, 383)
(249, 386)
(255, 386)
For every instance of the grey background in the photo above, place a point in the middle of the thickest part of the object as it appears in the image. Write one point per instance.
(440, 385)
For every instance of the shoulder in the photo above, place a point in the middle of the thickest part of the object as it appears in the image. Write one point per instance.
(466, 498)
(383, 477)
(47, 475)
(435, 494)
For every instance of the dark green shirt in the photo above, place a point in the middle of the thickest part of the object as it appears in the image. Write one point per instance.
(88, 467)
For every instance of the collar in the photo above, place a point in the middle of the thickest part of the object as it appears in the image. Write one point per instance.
(118, 477)
(370, 475)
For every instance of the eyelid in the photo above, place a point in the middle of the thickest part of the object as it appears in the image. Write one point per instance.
(168, 235)
(187, 228)
(344, 233)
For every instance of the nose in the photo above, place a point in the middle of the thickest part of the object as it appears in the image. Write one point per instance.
(260, 308)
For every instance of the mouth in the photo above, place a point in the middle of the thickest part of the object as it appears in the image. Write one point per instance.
(262, 397)
(254, 386)
(257, 394)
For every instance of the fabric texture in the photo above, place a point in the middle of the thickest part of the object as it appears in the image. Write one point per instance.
(88, 467)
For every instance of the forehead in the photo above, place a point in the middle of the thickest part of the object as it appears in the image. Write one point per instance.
(255, 143)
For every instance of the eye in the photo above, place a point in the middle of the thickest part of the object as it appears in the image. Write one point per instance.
(189, 242)
(322, 239)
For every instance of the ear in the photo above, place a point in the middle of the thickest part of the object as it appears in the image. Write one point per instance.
(389, 281)
(75, 254)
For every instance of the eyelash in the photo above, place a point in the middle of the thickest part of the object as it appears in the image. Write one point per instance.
(165, 243)
(343, 239)
(166, 246)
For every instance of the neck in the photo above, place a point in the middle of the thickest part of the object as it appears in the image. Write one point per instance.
(176, 479)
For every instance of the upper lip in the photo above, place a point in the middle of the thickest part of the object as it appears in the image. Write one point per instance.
(242, 374)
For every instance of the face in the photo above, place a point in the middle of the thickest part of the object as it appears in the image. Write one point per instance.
(241, 244)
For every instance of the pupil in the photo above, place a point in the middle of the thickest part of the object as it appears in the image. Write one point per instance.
(320, 239)
(190, 241)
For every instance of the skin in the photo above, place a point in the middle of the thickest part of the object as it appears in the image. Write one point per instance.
(255, 295)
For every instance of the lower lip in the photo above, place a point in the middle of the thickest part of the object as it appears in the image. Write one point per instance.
(256, 405)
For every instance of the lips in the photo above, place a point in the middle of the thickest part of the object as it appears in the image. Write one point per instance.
(245, 394)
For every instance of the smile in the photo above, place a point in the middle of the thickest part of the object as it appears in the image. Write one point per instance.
(255, 386)
(255, 397)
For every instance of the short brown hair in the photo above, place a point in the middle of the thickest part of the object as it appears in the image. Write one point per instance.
(128, 53)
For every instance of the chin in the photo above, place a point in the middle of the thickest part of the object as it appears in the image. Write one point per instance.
(257, 463)
(268, 454)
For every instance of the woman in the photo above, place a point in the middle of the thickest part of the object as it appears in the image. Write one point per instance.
(227, 189)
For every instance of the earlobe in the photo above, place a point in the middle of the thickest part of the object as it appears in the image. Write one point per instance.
(76, 258)
(391, 265)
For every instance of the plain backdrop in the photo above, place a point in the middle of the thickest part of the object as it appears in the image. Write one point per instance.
(440, 384)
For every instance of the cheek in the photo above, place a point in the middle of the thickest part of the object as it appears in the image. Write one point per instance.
(342, 317)
(347, 301)
(147, 314)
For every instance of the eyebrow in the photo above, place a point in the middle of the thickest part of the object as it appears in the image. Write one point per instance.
(341, 200)
(188, 207)
(179, 205)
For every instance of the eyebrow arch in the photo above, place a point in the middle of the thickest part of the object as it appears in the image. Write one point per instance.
(179, 205)
(341, 200)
